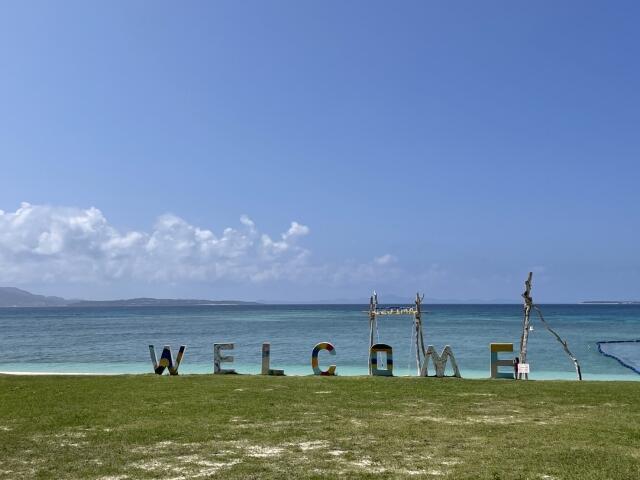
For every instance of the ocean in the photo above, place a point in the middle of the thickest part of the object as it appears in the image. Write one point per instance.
(114, 340)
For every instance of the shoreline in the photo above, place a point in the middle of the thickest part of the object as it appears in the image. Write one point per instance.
(541, 378)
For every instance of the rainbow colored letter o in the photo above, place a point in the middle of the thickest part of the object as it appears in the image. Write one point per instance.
(373, 360)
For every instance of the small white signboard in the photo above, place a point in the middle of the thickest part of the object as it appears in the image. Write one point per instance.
(523, 368)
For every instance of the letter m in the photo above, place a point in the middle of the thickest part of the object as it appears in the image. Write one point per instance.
(439, 362)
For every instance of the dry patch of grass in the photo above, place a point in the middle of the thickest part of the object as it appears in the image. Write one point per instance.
(230, 427)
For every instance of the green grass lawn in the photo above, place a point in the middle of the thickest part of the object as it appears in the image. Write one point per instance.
(206, 426)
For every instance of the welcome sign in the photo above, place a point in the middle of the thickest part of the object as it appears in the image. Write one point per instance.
(380, 360)
(380, 354)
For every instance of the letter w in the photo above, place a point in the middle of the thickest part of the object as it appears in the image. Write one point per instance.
(166, 360)
(439, 361)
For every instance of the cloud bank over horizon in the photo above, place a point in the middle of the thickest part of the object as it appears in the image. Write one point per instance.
(78, 253)
(45, 244)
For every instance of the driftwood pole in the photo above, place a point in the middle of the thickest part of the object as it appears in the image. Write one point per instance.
(373, 306)
(420, 350)
(524, 338)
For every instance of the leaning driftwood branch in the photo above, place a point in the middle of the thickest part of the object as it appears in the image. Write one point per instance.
(562, 342)
(528, 305)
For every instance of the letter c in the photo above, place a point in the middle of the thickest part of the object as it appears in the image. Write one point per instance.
(314, 359)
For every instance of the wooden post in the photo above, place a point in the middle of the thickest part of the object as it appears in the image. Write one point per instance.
(420, 350)
(266, 357)
(524, 338)
(373, 306)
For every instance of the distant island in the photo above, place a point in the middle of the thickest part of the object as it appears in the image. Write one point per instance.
(15, 297)
(612, 302)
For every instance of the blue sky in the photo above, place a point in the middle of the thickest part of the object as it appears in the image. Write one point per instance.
(446, 147)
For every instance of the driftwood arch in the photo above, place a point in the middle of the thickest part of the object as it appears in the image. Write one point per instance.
(423, 354)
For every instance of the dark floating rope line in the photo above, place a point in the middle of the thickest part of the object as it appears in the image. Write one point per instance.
(615, 357)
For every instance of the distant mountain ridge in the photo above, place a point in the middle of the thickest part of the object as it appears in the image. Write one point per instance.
(15, 297)
(156, 302)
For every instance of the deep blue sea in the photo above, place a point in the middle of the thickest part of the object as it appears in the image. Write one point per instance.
(115, 340)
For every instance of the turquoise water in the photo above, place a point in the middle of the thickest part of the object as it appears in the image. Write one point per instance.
(115, 340)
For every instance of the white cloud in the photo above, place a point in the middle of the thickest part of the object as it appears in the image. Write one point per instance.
(296, 230)
(47, 243)
(385, 259)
